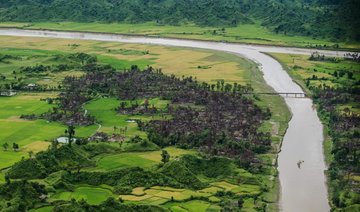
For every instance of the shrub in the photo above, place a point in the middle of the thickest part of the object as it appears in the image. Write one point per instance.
(30, 168)
(122, 189)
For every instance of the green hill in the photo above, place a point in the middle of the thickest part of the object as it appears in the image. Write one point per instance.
(335, 19)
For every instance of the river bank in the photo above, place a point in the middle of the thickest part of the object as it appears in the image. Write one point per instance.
(253, 34)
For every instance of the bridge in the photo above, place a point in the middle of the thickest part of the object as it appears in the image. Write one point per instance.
(284, 94)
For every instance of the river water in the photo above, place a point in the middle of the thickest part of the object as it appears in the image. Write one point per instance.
(302, 189)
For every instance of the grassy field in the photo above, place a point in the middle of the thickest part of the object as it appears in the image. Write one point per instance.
(104, 111)
(93, 195)
(244, 33)
(11, 68)
(137, 159)
(30, 135)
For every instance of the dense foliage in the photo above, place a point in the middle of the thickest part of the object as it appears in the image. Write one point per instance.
(182, 174)
(320, 18)
(20, 195)
(123, 178)
(213, 167)
(55, 159)
(345, 136)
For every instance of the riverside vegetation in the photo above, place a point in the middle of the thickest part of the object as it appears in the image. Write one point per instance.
(134, 149)
(333, 83)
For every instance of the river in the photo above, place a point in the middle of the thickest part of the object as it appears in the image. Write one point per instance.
(302, 189)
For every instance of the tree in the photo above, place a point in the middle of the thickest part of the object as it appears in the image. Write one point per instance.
(165, 157)
(5, 146)
(228, 87)
(15, 147)
(123, 105)
(70, 133)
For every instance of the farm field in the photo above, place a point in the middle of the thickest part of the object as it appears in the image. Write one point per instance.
(37, 135)
(321, 73)
(33, 135)
(243, 33)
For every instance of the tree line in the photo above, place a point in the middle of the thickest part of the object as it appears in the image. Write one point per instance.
(338, 20)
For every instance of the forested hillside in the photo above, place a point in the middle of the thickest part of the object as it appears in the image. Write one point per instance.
(334, 19)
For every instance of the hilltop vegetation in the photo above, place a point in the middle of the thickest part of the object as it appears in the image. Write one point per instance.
(338, 20)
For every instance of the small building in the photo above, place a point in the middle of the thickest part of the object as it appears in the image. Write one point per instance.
(64, 140)
(99, 136)
(31, 86)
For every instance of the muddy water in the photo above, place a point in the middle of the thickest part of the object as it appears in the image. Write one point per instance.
(302, 188)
